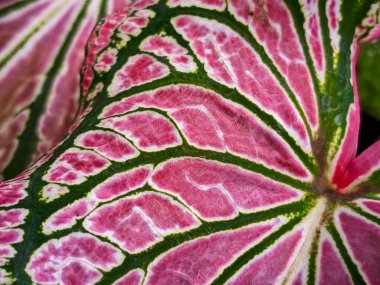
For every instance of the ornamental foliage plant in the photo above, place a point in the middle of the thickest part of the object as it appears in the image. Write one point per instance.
(215, 143)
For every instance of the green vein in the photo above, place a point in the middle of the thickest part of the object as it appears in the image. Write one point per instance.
(324, 25)
(352, 267)
(103, 9)
(15, 6)
(182, 42)
(312, 264)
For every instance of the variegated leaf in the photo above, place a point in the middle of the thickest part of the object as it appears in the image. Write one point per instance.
(215, 145)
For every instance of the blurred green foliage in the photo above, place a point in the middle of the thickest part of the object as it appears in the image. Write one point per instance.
(368, 69)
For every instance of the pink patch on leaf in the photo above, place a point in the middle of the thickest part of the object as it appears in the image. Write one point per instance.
(134, 277)
(106, 59)
(12, 218)
(138, 222)
(7, 251)
(108, 144)
(68, 216)
(148, 130)
(74, 164)
(10, 236)
(333, 15)
(85, 162)
(203, 132)
(332, 6)
(45, 264)
(313, 35)
(132, 26)
(122, 183)
(203, 42)
(138, 70)
(11, 192)
(219, 191)
(75, 272)
(63, 174)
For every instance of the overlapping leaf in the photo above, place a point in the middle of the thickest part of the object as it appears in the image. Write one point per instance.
(41, 52)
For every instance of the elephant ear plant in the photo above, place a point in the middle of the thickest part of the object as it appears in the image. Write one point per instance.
(215, 144)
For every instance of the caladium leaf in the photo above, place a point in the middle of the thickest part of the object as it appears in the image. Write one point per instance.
(42, 47)
(216, 144)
